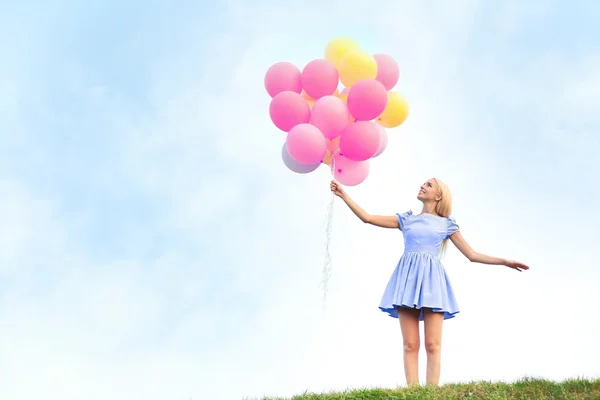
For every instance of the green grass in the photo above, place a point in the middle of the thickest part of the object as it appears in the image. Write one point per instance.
(534, 389)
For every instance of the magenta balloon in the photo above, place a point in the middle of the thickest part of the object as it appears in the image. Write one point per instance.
(283, 76)
(349, 172)
(288, 109)
(360, 141)
(319, 78)
(367, 99)
(388, 72)
(330, 115)
(383, 140)
(294, 165)
(306, 144)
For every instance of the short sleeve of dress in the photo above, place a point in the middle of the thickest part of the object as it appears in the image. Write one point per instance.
(452, 226)
(402, 218)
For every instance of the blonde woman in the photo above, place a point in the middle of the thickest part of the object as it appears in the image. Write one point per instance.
(419, 288)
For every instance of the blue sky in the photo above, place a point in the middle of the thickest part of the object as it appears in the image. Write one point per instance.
(153, 245)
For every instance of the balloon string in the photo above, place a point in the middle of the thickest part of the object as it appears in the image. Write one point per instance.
(328, 263)
(328, 229)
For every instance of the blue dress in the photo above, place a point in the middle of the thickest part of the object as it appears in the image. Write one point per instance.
(420, 280)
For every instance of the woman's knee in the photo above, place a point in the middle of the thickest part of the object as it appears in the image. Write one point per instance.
(411, 345)
(433, 346)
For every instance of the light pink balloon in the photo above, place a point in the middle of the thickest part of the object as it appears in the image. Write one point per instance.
(306, 144)
(345, 91)
(288, 109)
(383, 140)
(359, 141)
(367, 99)
(283, 76)
(330, 115)
(388, 72)
(294, 165)
(319, 78)
(349, 172)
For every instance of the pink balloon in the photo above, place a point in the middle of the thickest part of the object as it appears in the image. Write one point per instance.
(388, 72)
(330, 115)
(294, 165)
(306, 144)
(360, 141)
(349, 172)
(383, 140)
(288, 109)
(319, 78)
(367, 99)
(283, 76)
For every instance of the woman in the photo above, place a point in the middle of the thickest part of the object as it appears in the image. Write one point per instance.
(419, 288)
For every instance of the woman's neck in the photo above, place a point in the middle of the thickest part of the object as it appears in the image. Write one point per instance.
(429, 208)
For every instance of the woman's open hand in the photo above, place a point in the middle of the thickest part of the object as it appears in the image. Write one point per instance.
(516, 265)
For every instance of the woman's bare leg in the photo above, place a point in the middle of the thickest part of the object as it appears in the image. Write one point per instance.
(409, 325)
(433, 344)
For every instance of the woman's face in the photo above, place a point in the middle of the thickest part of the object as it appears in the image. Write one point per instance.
(429, 191)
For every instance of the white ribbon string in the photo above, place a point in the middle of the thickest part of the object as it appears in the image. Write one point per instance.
(328, 263)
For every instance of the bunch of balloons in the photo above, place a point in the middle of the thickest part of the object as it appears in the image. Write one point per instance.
(336, 109)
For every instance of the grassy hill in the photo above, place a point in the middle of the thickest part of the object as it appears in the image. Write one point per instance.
(534, 389)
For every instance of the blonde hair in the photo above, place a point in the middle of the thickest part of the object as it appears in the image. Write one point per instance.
(444, 206)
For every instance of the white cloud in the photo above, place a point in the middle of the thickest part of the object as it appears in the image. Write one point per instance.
(27, 222)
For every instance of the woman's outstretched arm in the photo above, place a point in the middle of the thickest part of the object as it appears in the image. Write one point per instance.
(473, 256)
(384, 221)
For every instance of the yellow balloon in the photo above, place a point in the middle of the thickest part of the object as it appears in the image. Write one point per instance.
(337, 48)
(327, 159)
(309, 100)
(356, 66)
(395, 113)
